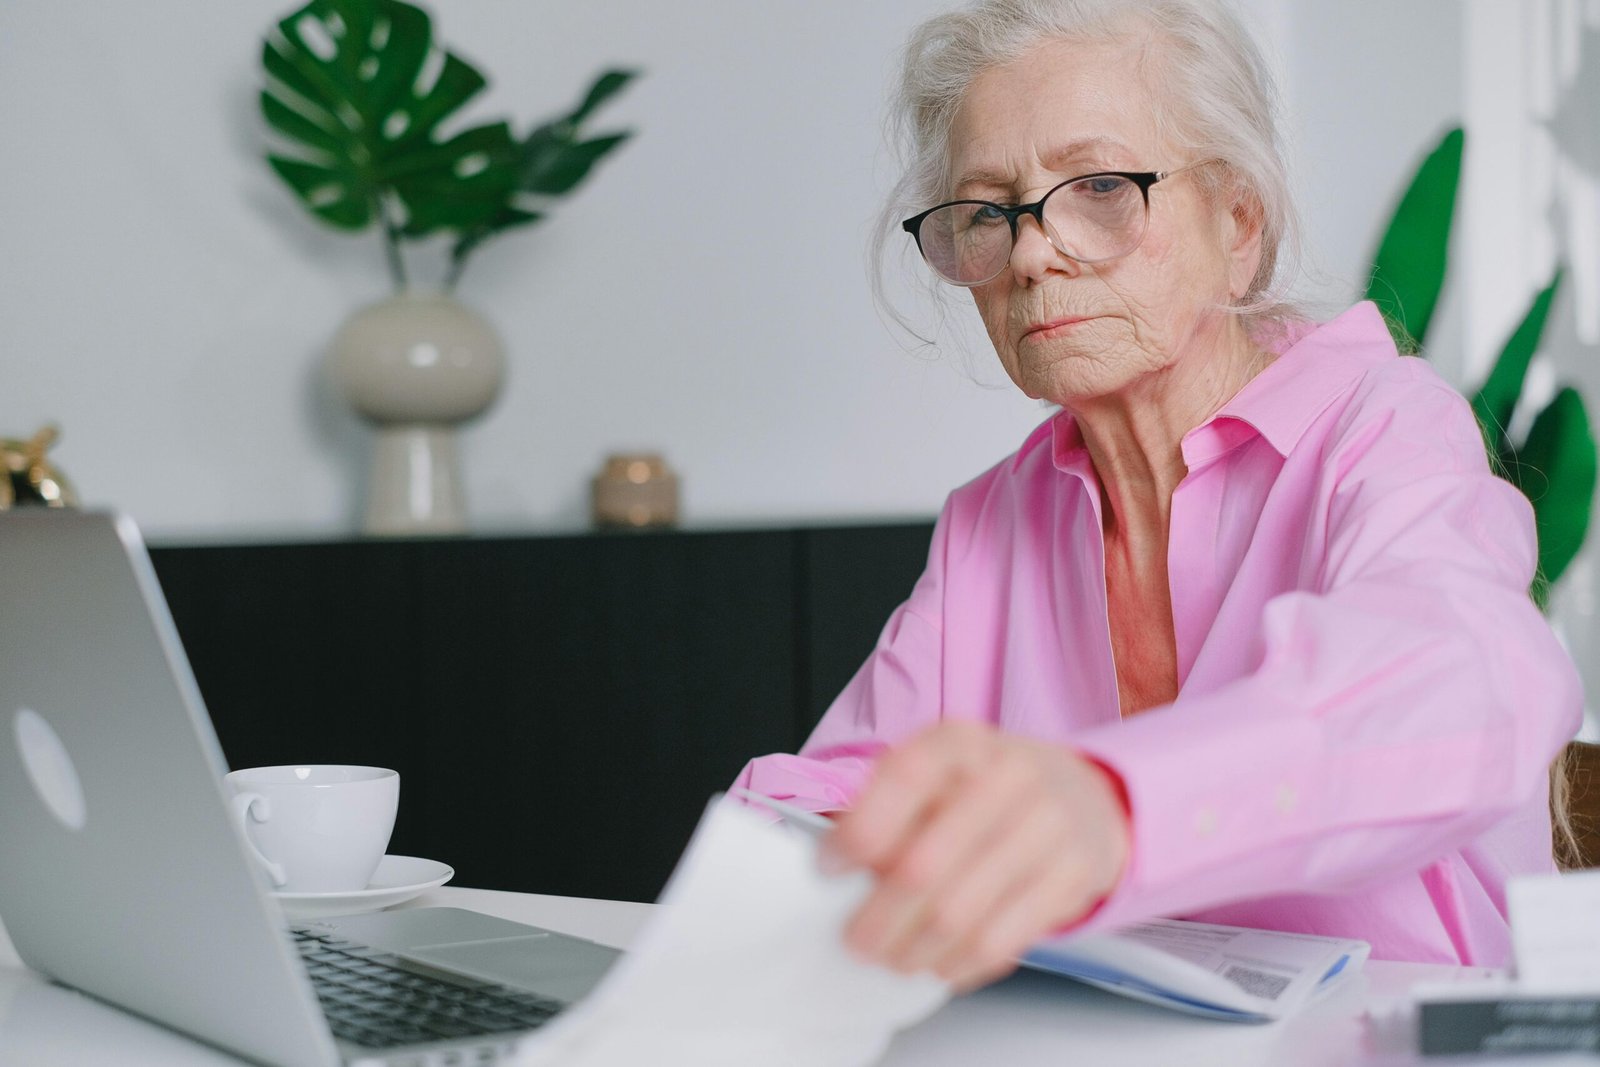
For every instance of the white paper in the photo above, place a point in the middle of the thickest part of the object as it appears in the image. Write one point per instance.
(1555, 931)
(1225, 972)
(742, 963)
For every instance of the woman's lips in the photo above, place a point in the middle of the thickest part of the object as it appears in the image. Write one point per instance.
(1054, 327)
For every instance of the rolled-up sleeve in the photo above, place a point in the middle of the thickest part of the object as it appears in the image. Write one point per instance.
(1407, 699)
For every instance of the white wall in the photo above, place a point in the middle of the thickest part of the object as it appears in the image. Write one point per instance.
(165, 300)
(1531, 200)
(1372, 84)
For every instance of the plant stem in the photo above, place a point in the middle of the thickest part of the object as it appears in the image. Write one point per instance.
(458, 262)
(391, 249)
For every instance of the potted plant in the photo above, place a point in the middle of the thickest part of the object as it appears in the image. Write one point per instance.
(357, 93)
(1554, 464)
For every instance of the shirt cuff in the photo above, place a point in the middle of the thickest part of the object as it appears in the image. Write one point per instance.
(1195, 807)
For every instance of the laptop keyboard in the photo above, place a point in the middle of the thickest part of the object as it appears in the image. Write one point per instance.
(373, 1001)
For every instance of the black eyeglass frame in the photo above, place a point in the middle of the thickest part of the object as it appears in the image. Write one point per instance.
(1144, 179)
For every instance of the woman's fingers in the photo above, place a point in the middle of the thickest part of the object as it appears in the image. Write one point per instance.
(964, 916)
(1040, 839)
(985, 840)
(980, 843)
(896, 922)
(907, 784)
(1015, 925)
(1082, 838)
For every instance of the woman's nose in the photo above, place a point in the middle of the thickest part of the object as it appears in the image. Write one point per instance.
(1033, 256)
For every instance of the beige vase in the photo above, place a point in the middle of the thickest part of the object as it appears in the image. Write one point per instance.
(416, 366)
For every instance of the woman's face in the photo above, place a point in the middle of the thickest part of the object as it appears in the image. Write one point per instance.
(1071, 332)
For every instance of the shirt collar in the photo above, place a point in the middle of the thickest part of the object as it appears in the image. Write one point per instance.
(1313, 367)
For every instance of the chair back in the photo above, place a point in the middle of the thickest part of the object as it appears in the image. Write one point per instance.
(1583, 799)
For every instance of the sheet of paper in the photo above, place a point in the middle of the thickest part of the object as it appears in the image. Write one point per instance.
(743, 964)
(1555, 930)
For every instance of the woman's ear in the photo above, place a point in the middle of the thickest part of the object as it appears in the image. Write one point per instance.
(1242, 241)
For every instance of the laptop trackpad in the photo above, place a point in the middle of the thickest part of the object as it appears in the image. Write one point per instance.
(551, 965)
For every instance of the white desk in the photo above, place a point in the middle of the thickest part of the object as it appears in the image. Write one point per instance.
(1028, 1019)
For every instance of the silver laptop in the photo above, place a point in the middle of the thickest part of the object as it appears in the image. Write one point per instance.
(122, 876)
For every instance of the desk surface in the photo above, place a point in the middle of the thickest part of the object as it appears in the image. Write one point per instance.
(1028, 1019)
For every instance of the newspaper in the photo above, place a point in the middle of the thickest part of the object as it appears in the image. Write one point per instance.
(1221, 972)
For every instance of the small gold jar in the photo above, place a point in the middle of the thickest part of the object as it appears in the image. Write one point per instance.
(635, 490)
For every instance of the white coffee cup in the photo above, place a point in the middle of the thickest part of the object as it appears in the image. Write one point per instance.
(315, 829)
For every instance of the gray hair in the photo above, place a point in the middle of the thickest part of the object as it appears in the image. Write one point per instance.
(1215, 99)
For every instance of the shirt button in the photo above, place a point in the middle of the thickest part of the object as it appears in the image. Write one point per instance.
(1205, 822)
(1287, 799)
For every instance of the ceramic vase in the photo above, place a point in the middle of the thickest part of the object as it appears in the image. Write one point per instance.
(416, 367)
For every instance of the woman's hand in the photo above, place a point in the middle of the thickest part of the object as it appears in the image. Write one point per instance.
(981, 843)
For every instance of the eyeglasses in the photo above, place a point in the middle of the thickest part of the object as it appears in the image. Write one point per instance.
(1090, 219)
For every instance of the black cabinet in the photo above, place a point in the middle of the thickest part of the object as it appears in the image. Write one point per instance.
(559, 708)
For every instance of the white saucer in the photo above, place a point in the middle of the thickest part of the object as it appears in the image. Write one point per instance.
(397, 880)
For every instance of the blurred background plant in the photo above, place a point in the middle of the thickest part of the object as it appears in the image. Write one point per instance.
(1554, 463)
(358, 92)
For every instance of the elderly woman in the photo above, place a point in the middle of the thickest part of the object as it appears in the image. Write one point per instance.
(1242, 633)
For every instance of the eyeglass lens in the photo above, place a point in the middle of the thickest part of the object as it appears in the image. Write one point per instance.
(1091, 220)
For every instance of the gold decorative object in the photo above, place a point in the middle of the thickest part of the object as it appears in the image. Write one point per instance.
(635, 490)
(29, 480)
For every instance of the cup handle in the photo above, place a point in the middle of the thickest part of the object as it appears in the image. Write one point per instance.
(254, 806)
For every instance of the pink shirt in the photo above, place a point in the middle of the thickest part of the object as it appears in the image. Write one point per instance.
(1368, 700)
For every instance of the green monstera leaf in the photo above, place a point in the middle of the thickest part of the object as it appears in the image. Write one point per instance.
(1408, 271)
(551, 161)
(1496, 399)
(1555, 465)
(1555, 468)
(358, 93)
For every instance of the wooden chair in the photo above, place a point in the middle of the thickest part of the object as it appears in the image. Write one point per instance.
(1583, 799)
